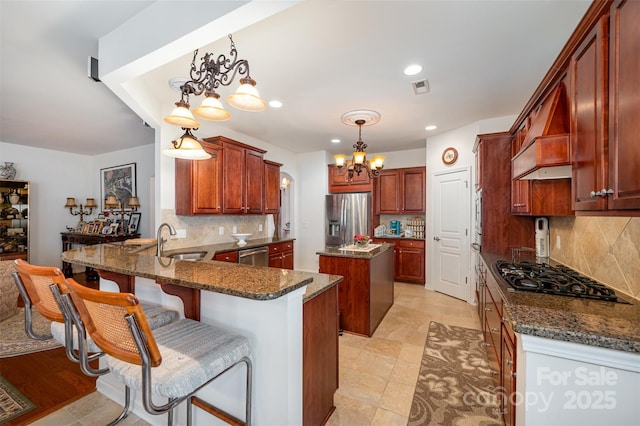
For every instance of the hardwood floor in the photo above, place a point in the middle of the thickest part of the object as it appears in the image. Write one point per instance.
(48, 378)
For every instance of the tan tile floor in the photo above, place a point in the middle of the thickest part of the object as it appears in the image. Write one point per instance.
(377, 374)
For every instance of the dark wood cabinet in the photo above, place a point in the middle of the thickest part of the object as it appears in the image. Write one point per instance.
(589, 112)
(624, 108)
(227, 256)
(500, 340)
(409, 259)
(281, 255)
(401, 191)
(319, 356)
(242, 177)
(501, 230)
(198, 184)
(271, 187)
(340, 183)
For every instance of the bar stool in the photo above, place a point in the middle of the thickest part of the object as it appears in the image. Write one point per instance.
(43, 288)
(174, 361)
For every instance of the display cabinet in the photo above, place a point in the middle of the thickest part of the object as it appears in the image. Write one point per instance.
(14, 220)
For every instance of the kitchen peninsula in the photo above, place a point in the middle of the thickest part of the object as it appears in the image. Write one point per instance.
(366, 292)
(278, 310)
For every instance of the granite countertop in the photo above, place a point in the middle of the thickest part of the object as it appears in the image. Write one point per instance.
(590, 322)
(251, 282)
(213, 249)
(336, 252)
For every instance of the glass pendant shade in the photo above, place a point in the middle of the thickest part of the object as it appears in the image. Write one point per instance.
(211, 109)
(246, 98)
(181, 116)
(358, 157)
(379, 161)
(372, 164)
(187, 148)
(340, 159)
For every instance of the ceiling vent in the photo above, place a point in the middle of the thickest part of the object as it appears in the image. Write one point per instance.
(420, 87)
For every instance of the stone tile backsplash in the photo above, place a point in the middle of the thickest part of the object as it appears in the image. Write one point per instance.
(203, 230)
(604, 248)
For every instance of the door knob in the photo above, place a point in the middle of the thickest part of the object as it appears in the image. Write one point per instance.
(436, 238)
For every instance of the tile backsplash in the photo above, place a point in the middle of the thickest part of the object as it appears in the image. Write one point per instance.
(205, 229)
(604, 248)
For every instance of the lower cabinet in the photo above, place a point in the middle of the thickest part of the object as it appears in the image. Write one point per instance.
(409, 259)
(500, 341)
(281, 255)
(227, 256)
(319, 356)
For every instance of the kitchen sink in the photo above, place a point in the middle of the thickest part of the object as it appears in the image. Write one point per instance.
(190, 255)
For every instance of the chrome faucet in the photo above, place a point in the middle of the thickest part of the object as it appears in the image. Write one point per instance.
(159, 239)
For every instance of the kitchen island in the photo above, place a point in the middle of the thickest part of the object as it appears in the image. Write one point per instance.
(366, 292)
(576, 360)
(264, 304)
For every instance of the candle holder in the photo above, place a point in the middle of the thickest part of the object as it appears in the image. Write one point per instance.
(80, 209)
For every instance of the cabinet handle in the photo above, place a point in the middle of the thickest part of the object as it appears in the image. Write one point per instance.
(486, 345)
(494, 330)
(609, 191)
(494, 373)
(512, 373)
(509, 362)
(593, 194)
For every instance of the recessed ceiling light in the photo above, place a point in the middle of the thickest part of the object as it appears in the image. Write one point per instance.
(412, 69)
(275, 104)
(335, 140)
(431, 127)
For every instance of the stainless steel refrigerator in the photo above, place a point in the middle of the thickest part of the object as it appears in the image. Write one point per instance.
(347, 215)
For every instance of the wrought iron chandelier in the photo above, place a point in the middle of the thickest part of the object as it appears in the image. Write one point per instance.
(206, 77)
(359, 162)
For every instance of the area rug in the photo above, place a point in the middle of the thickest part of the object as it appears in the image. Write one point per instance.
(14, 341)
(454, 385)
(12, 402)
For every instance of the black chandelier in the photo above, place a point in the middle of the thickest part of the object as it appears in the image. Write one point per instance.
(359, 162)
(206, 77)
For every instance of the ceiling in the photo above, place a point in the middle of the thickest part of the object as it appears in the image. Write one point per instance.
(321, 58)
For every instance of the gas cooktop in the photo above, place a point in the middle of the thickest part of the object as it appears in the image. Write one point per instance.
(558, 280)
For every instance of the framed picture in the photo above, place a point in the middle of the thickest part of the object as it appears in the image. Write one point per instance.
(119, 181)
(85, 228)
(134, 222)
(80, 226)
(114, 226)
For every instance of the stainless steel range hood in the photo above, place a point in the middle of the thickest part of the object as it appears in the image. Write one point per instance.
(546, 152)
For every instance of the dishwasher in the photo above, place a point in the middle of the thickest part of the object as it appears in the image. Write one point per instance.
(257, 256)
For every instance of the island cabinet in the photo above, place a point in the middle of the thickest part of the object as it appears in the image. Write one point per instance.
(401, 191)
(198, 183)
(281, 255)
(242, 176)
(271, 187)
(341, 183)
(320, 357)
(366, 292)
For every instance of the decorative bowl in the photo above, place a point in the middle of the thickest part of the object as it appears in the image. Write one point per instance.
(241, 238)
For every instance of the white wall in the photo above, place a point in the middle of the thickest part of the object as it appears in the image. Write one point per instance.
(407, 158)
(56, 175)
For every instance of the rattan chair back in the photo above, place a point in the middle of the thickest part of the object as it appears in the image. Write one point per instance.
(104, 317)
(36, 280)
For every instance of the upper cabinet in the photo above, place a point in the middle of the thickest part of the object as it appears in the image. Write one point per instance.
(340, 183)
(199, 183)
(242, 178)
(271, 187)
(588, 72)
(401, 191)
(624, 108)
(14, 219)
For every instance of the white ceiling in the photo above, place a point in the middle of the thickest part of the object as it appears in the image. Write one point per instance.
(321, 58)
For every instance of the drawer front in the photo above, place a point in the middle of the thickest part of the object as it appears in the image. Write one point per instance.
(229, 256)
(275, 248)
(287, 246)
(410, 243)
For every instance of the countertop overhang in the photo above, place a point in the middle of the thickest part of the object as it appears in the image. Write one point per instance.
(251, 282)
(591, 322)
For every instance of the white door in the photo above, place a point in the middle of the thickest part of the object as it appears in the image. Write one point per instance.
(450, 230)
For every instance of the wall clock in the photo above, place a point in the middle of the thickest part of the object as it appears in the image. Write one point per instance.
(449, 156)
